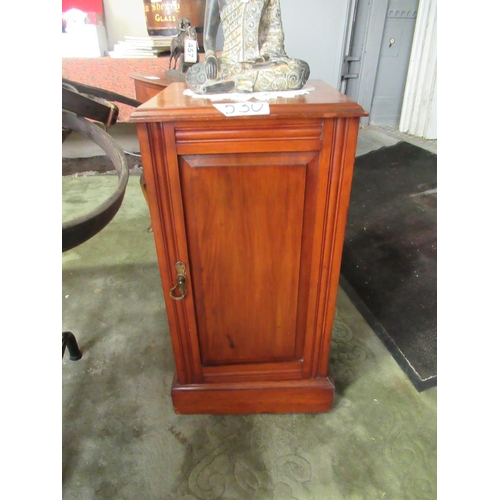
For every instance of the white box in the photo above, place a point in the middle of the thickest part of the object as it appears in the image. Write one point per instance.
(85, 40)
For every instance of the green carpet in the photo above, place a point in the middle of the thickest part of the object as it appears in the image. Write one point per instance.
(122, 440)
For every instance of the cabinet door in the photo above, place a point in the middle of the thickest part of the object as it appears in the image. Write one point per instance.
(248, 229)
(256, 210)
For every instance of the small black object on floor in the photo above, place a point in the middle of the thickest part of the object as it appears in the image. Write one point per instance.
(389, 265)
(69, 341)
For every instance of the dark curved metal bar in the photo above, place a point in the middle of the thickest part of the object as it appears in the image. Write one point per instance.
(81, 229)
(104, 94)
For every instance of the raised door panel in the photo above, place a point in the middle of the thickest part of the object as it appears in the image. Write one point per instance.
(248, 227)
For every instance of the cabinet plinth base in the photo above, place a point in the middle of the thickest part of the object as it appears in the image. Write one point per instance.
(291, 396)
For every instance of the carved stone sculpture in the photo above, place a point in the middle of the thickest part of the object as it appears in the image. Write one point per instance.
(253, 58)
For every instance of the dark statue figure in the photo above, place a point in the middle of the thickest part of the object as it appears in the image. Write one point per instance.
(253, 57)
(185, 30)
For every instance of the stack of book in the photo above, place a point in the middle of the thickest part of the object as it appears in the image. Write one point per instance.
(142, 46)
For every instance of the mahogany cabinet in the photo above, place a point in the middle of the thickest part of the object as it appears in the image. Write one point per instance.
(147, 86)
(248, 215)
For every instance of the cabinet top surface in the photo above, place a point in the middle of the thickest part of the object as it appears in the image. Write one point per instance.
(172, 105)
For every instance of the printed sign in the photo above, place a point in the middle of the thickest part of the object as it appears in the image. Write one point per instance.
(190, 50)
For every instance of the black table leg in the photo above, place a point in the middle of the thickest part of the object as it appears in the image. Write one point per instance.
(69, 341)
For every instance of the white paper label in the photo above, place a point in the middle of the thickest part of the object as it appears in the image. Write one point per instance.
(243, 108)
(190, 50)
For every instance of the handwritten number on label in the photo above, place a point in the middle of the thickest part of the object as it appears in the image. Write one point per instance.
(243, 108)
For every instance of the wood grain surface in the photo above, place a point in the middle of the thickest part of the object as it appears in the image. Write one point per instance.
(255, 207)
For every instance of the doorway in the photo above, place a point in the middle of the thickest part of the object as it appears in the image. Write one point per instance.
(377, 57)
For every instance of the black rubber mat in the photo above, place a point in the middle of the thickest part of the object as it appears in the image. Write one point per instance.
(389, 266)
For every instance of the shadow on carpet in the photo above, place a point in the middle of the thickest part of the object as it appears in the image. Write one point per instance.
(389, 265)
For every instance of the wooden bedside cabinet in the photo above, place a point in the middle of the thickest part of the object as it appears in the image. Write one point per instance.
(147, 86)
(249, 216)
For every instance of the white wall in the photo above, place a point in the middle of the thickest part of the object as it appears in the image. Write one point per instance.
(124, 17)
(314, 31)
